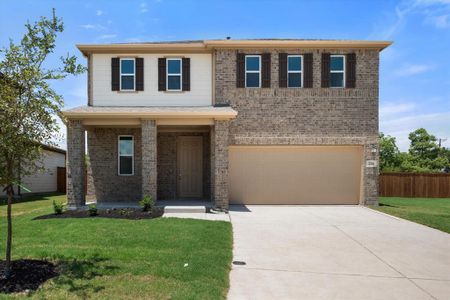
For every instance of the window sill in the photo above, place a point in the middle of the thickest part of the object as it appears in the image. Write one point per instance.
(128, 92)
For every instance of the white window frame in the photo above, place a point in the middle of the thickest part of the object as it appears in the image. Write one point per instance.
(301, 71)
(132, 155)
(343, 71)
(259, 71)
(126, 74)
(174, 74)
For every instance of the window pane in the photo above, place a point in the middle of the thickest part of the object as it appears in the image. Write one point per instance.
(252, 80)
(294, 80)
(337, 79)
(174, 66)
(337, 63)
(294, 63)
(126, 165)
(126, 146)
(252, 63)
(127, 82)
(173, 82)
(127, 66)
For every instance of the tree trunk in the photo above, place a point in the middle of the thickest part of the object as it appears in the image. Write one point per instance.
(9, 237)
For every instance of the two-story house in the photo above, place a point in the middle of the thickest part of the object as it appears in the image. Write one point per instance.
(233, 121)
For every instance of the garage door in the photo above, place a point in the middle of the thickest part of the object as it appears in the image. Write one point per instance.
(295, 175)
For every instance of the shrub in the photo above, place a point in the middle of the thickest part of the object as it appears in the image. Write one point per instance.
(58, 207)
(147, 203)
(92, 208)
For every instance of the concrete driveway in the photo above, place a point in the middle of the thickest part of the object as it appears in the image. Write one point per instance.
(335, 252)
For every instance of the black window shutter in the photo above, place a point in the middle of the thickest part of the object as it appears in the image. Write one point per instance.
(308, 72)
(115, 74)
(325, 70)
(350, 70)
(186, 74)
(265, 70)
(240, 70)
(139, 74)
(161, 74)
(282, 68)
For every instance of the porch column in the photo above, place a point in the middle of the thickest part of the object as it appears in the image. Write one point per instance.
(75, 171)
(219, 164)
(149, 158)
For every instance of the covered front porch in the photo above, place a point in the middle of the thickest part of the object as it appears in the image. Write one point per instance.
(169, 153)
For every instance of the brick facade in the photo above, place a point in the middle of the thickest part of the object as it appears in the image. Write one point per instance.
(305, 116)
(75, 164)
(109, 186)
(266, 116)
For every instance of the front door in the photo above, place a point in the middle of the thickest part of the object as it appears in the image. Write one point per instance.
(190, 166)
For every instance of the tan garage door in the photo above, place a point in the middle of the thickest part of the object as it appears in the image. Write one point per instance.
(295, 174)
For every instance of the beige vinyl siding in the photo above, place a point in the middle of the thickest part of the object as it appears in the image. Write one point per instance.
(44, 181)
(295, 174)
(199, 95)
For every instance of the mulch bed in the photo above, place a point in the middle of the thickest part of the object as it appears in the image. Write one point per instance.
(26, 276)
(116, 213)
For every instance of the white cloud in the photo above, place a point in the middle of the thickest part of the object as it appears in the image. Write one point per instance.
(390, 108)
(409, 70)
(93, 27)
(440, 22)
(434, 12)
(99, 12)
(107, 36)
(143, 7)
(437, 124)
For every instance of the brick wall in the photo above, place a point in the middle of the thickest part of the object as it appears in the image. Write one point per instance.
(102, 149)
(320, 116)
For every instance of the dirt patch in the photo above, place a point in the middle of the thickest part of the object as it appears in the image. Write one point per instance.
(27, 275)
(116, 213)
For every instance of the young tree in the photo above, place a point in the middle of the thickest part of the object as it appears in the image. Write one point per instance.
(28, 105)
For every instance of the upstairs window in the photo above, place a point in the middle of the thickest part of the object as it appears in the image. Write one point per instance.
(174, 74)
(295, 71)
(337, 71)
(126, 155)
(253, 71)
(127, 74)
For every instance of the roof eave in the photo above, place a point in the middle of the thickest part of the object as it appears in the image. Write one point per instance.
(209, 45)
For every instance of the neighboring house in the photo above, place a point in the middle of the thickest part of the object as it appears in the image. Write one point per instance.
(43, 181)
(234, 121)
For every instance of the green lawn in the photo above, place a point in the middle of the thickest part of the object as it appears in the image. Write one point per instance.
(123, 259)
(433, 212)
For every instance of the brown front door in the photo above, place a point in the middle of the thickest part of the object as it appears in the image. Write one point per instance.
(190, 166)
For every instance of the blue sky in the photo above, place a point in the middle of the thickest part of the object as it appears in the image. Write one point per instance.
(414, 72)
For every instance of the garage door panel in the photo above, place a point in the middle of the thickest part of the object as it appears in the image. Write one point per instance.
(295, 175)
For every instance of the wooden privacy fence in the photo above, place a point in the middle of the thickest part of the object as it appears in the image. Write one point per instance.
(61, 180)
(415, 185)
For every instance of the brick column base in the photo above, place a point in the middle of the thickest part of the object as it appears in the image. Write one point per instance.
(149, 158)
(219, 164)
(75, 165)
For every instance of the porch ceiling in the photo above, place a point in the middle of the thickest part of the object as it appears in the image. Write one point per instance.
(164, 115)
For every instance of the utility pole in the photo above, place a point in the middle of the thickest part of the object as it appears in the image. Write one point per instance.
(440, 142)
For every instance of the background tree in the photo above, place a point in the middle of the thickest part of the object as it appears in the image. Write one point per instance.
(424, 154)
(389, 153)
(28, 105)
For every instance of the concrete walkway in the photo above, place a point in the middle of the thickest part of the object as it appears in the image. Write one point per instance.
(335, 252)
